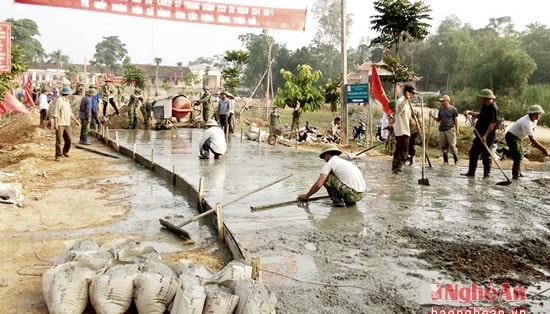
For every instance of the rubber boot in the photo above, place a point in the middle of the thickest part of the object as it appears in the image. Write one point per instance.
(486, 172)
(411, 160)
(471, 168)
(515, 171)
(445, 159)
(395, 166)
(455, 158)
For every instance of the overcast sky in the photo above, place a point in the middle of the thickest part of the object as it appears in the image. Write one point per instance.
(76, 32)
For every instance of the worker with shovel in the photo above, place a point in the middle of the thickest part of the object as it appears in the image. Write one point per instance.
(487, 119)
(522, 128)
(342, 179)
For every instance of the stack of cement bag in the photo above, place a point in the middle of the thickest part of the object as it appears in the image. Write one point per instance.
(119, 273)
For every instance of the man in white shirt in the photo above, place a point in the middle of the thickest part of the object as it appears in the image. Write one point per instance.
(402, 128)
(212, 140)
(522, 128)
(43, 106)
(342, 179)
(62, 116)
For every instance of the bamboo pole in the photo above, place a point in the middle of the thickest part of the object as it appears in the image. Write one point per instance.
(219, 218)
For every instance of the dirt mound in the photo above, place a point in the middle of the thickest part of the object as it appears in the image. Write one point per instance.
(514, 263)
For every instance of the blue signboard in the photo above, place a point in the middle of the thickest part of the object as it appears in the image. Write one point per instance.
(357, 93)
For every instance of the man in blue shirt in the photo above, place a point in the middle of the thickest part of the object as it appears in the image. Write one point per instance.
(224, 104)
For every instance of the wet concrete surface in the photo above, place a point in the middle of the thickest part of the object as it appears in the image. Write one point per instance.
(381, 255)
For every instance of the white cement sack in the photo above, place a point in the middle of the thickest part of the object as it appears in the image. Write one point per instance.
(219, 301)
(254, 298)
(189, 299)
(157, 266)
(112, 292)
(153, 293)
(10, 193)
(232, 273)
(65, 287)
(72, 246)
(138, 254)
(117, 245)
(189, 267)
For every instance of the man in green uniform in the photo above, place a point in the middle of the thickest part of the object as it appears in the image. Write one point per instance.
(135, 101)
(205, 102)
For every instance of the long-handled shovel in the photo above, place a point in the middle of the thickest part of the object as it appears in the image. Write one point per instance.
(423, 181)
(179, 231)
(352, 156)
(508, 181)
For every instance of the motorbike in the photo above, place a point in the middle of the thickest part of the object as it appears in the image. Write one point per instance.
(305, 131)
(359, 132)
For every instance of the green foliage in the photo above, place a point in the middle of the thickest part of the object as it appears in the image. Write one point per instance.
(301, 92)
(9, 81)
(333, 94)
(57, 57)
(400, 20)
(232, 74)
(134, 76)
(189, 83)
(71, 72)
(22, 34)
(110, 54)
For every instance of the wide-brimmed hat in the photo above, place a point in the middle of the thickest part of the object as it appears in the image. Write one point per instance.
(223, 93)
(330, 148)
(137, 90)
(66, 90)
(535, 109)
(409, 88)
(486, 93)
(91, 91)
(211, 122)
(445, 97)
(206, 87)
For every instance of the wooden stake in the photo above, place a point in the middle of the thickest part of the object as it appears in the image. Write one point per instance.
(134, 151)
(219, 216)
(201, 179)
(152, 155)
(107, 132)
(256, 267)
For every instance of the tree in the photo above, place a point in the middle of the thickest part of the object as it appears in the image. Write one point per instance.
(110, 53)
(57, 57)
(300, 92)
(327, 41)
(22, 34)
(134, 76)
(232, 74)
(399, 21)
(536, 42)
(71, 73)
(9, 81)
(262, 50)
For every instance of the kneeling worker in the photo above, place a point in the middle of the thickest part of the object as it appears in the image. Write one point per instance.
(342, 179)
(212, 140)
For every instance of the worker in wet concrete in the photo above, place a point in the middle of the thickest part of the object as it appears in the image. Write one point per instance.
(342, 179)
(522, 128)
(212, 140)
(487, 119)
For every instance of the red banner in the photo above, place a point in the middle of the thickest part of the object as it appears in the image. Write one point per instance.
(191, 12)
(5, 47)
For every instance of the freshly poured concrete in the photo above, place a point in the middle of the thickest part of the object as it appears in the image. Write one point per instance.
(381, 255)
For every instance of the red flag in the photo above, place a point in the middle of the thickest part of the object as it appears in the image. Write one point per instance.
(377, 91)
(3, 110)
(28, 92)
(11, 103)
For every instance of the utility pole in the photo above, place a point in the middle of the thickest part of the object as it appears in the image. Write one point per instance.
(344, 139)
